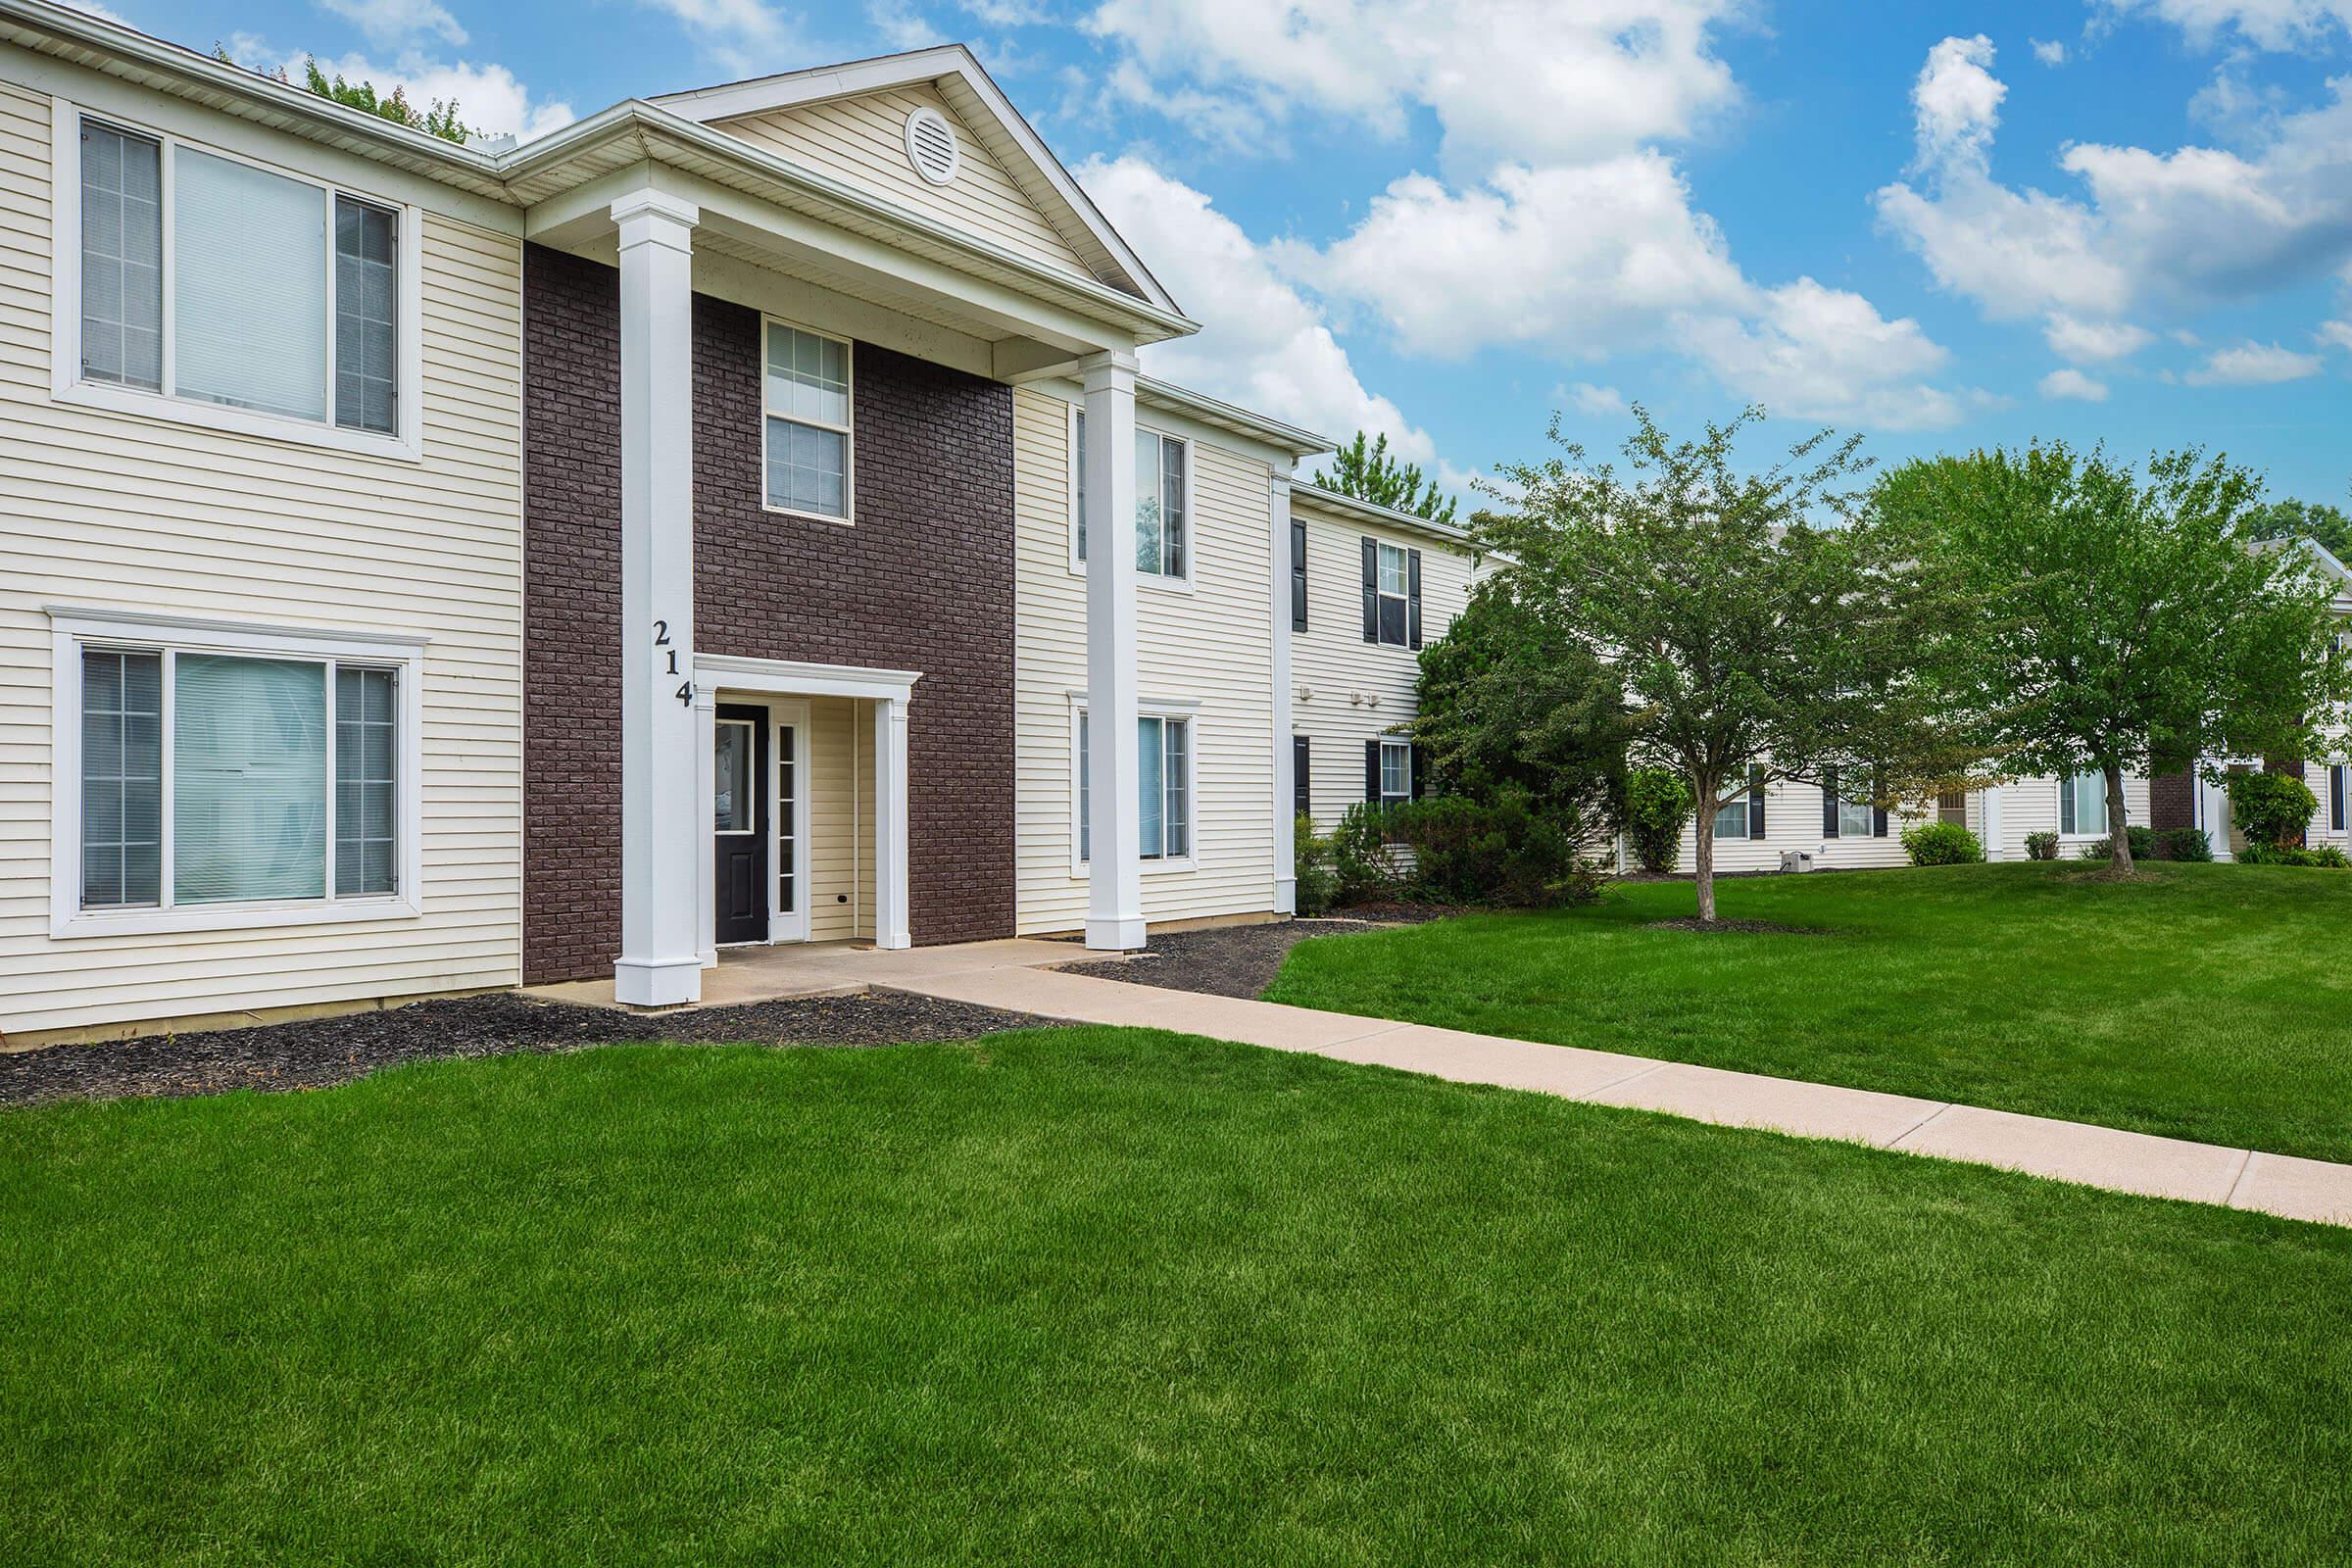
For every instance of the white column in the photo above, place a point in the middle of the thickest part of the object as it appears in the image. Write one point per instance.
(889, 824)
(1992, 824)
(1286, 859)
(661, 959)
(1114, 907)
(706, 821)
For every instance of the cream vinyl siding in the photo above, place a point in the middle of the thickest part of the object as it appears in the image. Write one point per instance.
(109, 511)
(1212, 645)
(1792, 821)
(841, 821)
(1333, 671)
(862, 141)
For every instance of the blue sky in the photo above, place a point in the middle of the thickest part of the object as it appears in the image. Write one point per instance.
(1946, 225)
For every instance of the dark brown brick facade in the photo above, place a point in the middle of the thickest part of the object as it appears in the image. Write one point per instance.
(2171, 800)
(923, 581)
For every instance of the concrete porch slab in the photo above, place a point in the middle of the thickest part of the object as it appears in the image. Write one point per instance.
(834, 968)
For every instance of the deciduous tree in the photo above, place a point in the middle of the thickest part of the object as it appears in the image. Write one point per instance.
(2125, 624)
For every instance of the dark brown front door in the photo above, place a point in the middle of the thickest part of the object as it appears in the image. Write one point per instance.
(738, 815)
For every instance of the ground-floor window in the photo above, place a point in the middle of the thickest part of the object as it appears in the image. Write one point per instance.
(1163, 786)
(2082, 805)
(210, 776)
(1395, 771)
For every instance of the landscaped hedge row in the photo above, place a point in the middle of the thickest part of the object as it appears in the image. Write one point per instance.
(1445, 850)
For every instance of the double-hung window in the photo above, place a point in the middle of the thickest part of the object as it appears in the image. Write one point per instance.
(1395, 772)
(809, 433)
(1164, 787)
(1162, 515)
(2082, 805)
(211, 777)
(1395, 589)
(1731, 819)
(215, 282)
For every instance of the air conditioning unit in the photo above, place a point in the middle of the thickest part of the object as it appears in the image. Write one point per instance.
(1796, 859)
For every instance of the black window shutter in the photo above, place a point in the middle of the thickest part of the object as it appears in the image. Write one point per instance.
(1877, 812)
(1420, 775)
(1301, 794)
(2335, 796)
(1298, 576)
(1829, 802)
(1371, 591)
(1412, 594)
(1371, 771)
(2066, 805)
(1756, 802)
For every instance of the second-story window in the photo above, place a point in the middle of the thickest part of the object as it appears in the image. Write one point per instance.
(281, 297)
(809, 435)
(1163, 521)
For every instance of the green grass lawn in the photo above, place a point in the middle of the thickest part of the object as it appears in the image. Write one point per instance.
(2210, 1002)
(1122, 1296)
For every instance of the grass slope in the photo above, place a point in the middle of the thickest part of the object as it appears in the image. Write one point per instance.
(2212, 1002)
(1119, 1297)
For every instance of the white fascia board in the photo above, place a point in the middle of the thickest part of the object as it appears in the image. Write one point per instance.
(1356, 512)
(795, 89)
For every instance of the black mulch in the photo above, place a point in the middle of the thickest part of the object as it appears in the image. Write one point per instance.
(317, 1052)
(1753, 927)
(1241, 961)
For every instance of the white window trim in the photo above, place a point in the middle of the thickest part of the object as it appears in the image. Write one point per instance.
(66, 385)
(847, 432)
(1407, 746)
(70, 629)
(2079, 836)
(1160, 582)
(1184, 707)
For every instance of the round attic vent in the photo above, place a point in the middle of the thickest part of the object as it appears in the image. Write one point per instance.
(931, 146)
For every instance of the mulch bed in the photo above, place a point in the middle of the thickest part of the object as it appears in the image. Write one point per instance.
(1242, 961)
(1753, 927)
(315, 1054)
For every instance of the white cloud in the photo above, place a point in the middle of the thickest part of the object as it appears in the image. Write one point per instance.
(2073, 384)
(2050, 51)
(386, 23)
(2093, 342)
(489, 97)
(2252, 364)
(1956, 103)
(2192, 225)
(1583, 259)
(2276, 25)
(2337, 334)
(1262, 345)
(900, 25)
(89, 7)
(1819, 353)
(1586, 398)
(1519, 79)
(745, 37)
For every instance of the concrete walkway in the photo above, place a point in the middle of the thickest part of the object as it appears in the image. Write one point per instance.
(2073, 1152)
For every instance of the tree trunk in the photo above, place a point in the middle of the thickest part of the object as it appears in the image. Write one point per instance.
(1704, 861)
(2119, 831)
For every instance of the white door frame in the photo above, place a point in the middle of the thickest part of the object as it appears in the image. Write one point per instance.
(789, 713)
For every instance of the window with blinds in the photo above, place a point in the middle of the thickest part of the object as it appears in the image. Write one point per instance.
(282, 296)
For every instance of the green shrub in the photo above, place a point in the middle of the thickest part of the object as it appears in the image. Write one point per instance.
(2327, 854)
(2095, 850)
(2143, 842)
(1941, 844)
(1657, 806)
(2041, 846)
(1363, 870)
(1452, 850)
(2183, 843)
(2272, 809)
(1312, 856)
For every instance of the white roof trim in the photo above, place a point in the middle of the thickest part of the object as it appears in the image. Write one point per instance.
(794, 89)
(1356, 511)
(785, 677)
(1211, 410)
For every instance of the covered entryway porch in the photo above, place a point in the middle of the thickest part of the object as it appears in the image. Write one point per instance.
(746, 975)
(805, 804)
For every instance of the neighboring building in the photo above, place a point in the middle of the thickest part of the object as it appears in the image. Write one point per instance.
(1843, 833)
(1366, 587)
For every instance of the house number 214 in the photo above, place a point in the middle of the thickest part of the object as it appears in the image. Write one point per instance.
(685, 692)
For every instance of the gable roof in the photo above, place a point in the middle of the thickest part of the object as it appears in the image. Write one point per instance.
(957, 77)
(1355, 512)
